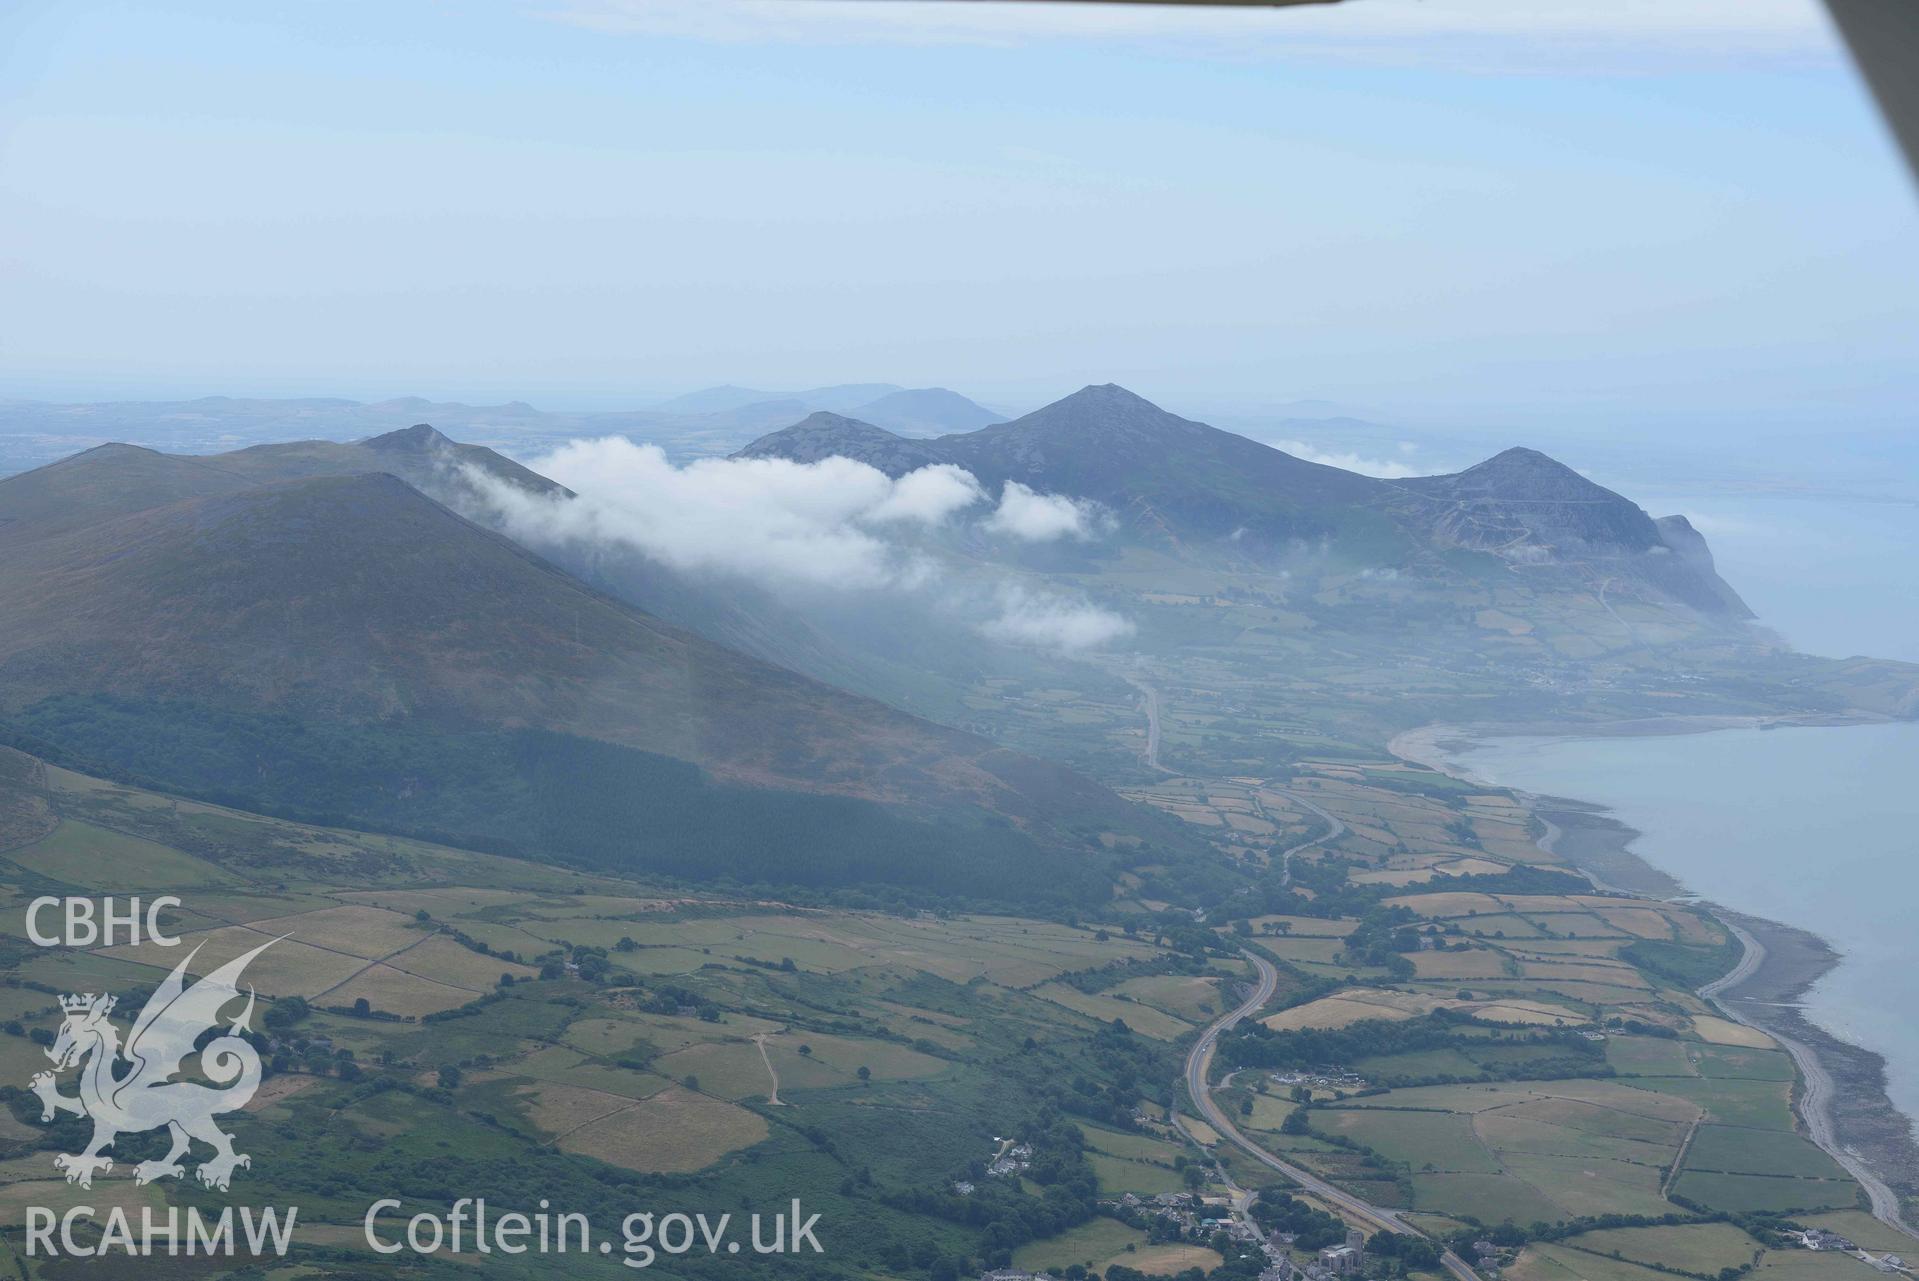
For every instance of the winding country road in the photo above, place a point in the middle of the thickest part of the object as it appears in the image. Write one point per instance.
(1334, 830)
(1199, 1061)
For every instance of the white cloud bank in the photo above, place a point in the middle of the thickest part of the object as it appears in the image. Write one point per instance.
(833, 525)
(778, 522)
(1048, 621)
(1034, 517)
(1384, 468)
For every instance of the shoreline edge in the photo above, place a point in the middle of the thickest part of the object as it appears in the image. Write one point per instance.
(1840, 1094)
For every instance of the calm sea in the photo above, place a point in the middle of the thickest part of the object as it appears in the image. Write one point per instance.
(1813, 827)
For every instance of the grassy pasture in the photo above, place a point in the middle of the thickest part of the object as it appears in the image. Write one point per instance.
(366, 932)
(1191, 998)
(846, 1055)
(1489, 1198)
(1513, 1135)
(1590, 1185)
(1170, 1260)
(1353, 1005)
(1601, 1107)
(1726, 1032)
(1695, 1247)
(1736, 1061)
(1732, 1149)
(729, 1069)
(1142, 1018)
(1648, 1056)
(1117, 1175)
(560, 1066)
(1094, 1242)
(1497, 924)
(442, 960)
(1442, 1140)
(1751, 1192)
(395, 991)
(1565, 1262)
(106, 861)
(674, 1131)
(288, 968)
(1323, 949)
(1132, 1147)
(1480, 963)
(1418, 1063)
(1803, 1265)
(557, 1109)
(1732, 1101)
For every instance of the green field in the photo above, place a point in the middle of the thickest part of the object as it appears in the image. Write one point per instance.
(1739, 1193)
(714, 1049)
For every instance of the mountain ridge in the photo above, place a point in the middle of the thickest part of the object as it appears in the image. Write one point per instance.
(356, 606)
(1183, 484)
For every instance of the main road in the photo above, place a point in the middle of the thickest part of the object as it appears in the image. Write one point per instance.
(1815, 1108)
(1199, 1062)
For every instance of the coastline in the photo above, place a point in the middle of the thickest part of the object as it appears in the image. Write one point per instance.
(1841, 1097)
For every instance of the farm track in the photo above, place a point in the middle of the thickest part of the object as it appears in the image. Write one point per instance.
(378, 961)
(773, 1095)
(1679, 1157)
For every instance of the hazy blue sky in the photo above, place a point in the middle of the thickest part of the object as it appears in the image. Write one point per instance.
(1497, 208)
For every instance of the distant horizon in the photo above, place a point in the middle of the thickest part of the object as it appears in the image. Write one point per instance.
(1566, 420)
(1517, 216)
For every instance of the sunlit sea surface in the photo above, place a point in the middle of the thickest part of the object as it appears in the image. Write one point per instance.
(1813, 827)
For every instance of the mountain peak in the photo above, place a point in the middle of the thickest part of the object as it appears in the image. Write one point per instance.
(1522, 474)
(1102, 411)
(111, 450)
(1108, 395)
(824, 434)
(1521, 498)
(826, 419)
(419, 438)
(1520, 456)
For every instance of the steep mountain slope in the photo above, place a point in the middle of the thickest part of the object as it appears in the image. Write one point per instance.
(219, 642)
(110, 479)
(1529, 509)
(1521, 499)
(420, 455)
(1696, 572)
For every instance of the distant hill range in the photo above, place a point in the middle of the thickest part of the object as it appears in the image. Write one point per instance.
(1186, 487)
(707, 423)
(926, 411)
(300, 629)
